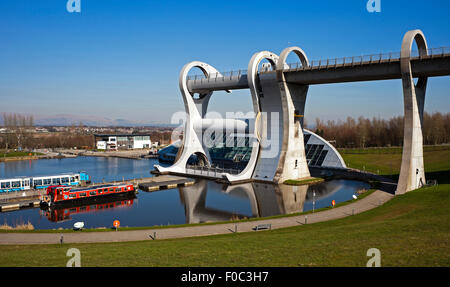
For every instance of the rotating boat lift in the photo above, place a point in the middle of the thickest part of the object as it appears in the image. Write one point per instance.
(277, 100)
(272, 96)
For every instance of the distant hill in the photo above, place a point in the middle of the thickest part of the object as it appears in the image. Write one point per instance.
(98, 121)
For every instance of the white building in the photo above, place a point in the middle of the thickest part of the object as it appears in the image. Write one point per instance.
(123, 142)
(101, 145)
(140, 142)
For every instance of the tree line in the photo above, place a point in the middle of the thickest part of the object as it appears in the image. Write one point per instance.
(351, 133)
(375, 132)
(20, 135)
(19, 129)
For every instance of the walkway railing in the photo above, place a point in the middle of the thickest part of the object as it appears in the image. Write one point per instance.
(210, 171)
(367, 59)
(229, 74)
(329, 64)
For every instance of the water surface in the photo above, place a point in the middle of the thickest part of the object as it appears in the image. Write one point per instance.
(205, 201)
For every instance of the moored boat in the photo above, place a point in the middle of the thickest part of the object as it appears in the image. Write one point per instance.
(58, 194)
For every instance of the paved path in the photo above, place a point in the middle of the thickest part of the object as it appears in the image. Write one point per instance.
(373, 200)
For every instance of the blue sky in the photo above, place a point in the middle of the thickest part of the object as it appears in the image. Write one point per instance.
(121, 58)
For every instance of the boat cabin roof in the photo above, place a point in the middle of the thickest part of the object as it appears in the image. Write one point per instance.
(89, 188)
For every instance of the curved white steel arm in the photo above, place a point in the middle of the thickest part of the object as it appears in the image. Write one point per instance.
(195, 111)
(258, 131)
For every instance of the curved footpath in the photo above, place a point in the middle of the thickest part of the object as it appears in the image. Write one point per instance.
(373, 200)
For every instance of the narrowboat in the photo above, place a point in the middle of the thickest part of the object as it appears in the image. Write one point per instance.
(59, 194)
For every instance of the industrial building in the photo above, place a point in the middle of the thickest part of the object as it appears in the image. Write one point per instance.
(122, 142)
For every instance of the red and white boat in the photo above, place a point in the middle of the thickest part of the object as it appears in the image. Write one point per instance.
(57, 194)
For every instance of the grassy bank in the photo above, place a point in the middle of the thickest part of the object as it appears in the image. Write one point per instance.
(387, 161)
(409, 230)
(18, 154)
(20, 226)
(303, 181)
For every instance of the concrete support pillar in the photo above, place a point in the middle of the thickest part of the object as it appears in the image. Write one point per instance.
(292, 163)
(412, 175)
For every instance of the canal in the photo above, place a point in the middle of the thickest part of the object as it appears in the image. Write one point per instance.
(205, 201)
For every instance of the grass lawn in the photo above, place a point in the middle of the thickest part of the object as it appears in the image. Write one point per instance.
(303, 181)
(387, 161)
(409, 230)
(18, 153)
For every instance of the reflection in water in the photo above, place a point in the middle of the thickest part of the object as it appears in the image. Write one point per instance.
(324, 190)
(65, 212)
(264, 199)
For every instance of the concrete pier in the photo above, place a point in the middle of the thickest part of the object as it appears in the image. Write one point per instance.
(10, 206)
(165, 182)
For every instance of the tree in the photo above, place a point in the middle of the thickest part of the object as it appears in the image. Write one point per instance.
(17, 125)
(378, 132)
